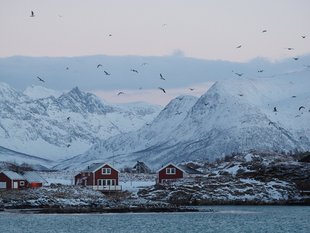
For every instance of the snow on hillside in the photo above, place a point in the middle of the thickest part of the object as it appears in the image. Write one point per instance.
(57, 128)
(39, 92)
(233, 115)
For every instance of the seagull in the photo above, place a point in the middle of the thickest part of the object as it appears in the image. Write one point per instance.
(161, 77)
(239, 74)
(68, 145)
(178, 113)
(99, 65)
(106, 73)
(293, 96)
(295, 58)
(301, 107)
(160, 88)
(68, 118)
(120, 93)
(133, 70)
(67, 68)
(264, 31)
(238, 47)
(110, 34)
(260, 71)
(40, 79)
(290, 48)
(191, 89)
(303, 37)
(275, 109)
(32, 14)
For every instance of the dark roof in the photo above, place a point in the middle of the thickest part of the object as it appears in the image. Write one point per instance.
(189, 170)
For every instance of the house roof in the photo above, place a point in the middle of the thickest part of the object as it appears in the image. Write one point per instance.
(95, 166)
(183, 168)
(34, 177)
(13, 175)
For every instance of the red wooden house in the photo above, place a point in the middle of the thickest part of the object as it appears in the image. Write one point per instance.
(99, 176)
(171, 172)
(12, 180)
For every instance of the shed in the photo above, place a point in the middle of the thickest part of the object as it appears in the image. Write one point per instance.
(34, 180)
(141, 167)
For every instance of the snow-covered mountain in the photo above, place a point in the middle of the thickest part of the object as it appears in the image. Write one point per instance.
(234, 115)
(58, 128)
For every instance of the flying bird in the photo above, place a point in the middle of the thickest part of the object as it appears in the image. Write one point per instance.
(68, 145)
(290, 48)
(238, 47)
(110, 34)
(120, 93)
(133, 70)
(32, 14)
(260, 71)
(275, 109)
(68, 118)
(293, 96)
(161, 77)
(239, 74)
(106, 73)
(99, 65)
(67, 68)
(295, 58)
(303, 37)
(178, 113)
(301, 107)
(264, 31)
(40, 79)
(160, 88)
(191, 89)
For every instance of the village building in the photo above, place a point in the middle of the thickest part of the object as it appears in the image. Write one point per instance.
(99, 176)
(171, 172)
(12, 180)
(34, 180)
(141, 167)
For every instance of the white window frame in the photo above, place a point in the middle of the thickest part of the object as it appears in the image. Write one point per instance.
(106, 171)
(106, 182)
(171, 170)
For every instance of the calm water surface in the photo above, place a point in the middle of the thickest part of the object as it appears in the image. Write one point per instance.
(227, 219)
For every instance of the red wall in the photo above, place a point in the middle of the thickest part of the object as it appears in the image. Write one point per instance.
(113, 175)
(84, 174)
(163, 176)
(4, 178)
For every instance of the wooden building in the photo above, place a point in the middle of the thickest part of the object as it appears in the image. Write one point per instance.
(99, 176)
(171, 172)
(12, 180)
(140, 167)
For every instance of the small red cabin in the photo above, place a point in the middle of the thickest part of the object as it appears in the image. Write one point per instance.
(12, 180)
(171, 172)
(100, 176)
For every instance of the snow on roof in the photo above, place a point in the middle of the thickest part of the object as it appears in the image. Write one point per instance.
(13, 175)
(189, 170)
(34, 177)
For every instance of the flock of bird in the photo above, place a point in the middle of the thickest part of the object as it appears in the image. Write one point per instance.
(163, 78)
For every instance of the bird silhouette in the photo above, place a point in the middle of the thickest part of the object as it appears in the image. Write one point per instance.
(264, 31)
(239, 46)
(40, 79)
(239, 74)
(120, 93)
(160, 88)
(260, 71)
(301, 107)
(32, 14)
(295, 58)
(178, 113)
(67, 68)
(106, 73)
(99, 65)
(191, 89)
(68, 145)
(275, 109)
(293, 96)
(133, 70)
(290, 48)
(161, 77)
(303, 37)
(110, 34)
(68, 118)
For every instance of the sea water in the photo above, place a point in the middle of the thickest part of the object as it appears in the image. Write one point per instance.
(227, 219)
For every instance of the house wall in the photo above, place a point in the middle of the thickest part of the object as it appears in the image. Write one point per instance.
(9, 182)
(162, 175)
(89, 178)
(113, 175)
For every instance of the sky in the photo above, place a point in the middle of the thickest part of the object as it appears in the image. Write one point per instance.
(197, 29)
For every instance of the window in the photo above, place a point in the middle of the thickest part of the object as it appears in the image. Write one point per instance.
(106, 171)
(22, 183)
(170, 171)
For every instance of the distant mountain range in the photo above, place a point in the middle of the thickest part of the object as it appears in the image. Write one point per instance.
(54, 128)
(234, 115)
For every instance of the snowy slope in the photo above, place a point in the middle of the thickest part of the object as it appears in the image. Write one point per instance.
(58, 128)
(234, 115)
(38, 92)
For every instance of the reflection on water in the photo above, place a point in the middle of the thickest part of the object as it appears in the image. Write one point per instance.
(230, 219)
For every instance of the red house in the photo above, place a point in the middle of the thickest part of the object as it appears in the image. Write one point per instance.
(171, 172)
(12, 180)
(99, 176)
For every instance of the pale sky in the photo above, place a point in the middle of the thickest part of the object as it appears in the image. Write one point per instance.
(198, 28)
